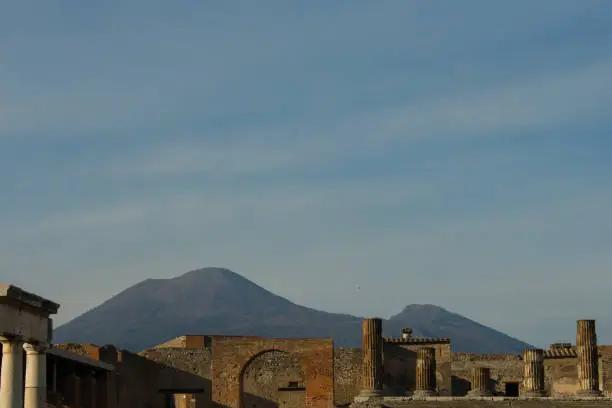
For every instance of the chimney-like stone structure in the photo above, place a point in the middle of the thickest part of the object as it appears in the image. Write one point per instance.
(406, 333)
(481, 377)
(372, 366)
(425, 372)
(533, 375)
(586, 351)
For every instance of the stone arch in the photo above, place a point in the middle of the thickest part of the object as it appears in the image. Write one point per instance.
(272, 378)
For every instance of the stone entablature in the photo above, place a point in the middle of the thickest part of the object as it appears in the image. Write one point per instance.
(560, 353)
(564, 353)
(10, 293)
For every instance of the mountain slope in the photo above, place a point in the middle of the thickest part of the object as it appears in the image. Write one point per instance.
(465, 334)
(219, 301)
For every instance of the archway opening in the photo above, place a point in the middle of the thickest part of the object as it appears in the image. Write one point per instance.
(273, 379)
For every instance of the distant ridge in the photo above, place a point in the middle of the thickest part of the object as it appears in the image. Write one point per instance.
(220, 301)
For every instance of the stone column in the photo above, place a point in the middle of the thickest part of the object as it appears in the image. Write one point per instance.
(588, 364)
(91, 393)
(372, 374)
(71, 387)
(36, 375)
(11, 377)
(481, 376)
(425, 372)
(533, 374)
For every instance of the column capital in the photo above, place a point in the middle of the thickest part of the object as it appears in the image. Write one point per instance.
(10, 342)
(35, 347)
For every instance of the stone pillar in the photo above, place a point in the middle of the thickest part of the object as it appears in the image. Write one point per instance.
(372, 374)
(481, 377)
(36, 375)
(533, 374)
(71, 388)
(11, 378)
(588, 364)
(425, 372)
(91, 392)
(54, 376)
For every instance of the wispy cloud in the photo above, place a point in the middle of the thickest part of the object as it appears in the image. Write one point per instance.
(541, 103)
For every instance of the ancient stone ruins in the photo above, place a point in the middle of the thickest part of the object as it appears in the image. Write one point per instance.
(256, 372)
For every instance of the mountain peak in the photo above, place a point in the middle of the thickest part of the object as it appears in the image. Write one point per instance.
(210, 275)
(216, 300)
(434, 321)
(208, 271)
(425, 307)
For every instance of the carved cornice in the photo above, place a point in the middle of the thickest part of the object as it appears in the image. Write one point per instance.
(10, 338)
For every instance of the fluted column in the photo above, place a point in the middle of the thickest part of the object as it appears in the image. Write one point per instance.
(11, 377)
(36, 375)
(533, 374)
(586, 351)
(481, 377)
(425, 372)
(372, 366)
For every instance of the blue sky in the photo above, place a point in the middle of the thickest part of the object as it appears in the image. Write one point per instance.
(444, 152)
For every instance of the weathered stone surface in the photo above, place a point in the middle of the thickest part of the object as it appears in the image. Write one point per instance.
(347, 375)
(586, 351)
(372, 348)
(486, 402)
(481, 377)
(400, 359)
(533, 377)
(425, 372)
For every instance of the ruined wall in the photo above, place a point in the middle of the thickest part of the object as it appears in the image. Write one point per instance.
(496, 402)
(178, 342)
(82, 349)
(347, 375)
(605, 369)
(504, 368)
(560, 373)
(270, 369)
(561, 376)
(185, 369)
(231, 355)
(192, 341)
(400, 365)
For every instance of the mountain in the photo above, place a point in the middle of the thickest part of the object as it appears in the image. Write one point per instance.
(465, 334)
(219, 301)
